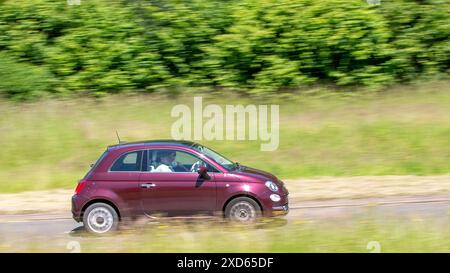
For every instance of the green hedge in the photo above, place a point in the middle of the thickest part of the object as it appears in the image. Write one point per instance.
(23, 81)
(260, 46)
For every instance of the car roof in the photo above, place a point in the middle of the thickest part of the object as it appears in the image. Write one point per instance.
(161, 142)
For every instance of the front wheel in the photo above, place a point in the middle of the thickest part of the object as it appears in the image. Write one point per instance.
(100, 218)
(243, 209)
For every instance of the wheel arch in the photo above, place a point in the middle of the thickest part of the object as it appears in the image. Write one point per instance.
(100, 200)
(241, 195)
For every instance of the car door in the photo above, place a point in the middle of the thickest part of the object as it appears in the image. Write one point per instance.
(179, 191)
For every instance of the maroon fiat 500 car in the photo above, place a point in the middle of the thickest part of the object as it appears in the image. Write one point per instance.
(172, 178)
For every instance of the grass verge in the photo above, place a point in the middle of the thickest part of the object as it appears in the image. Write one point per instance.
(404, 130)
(356, 235)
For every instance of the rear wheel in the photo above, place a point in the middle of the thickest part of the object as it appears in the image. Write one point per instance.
(242, 209)
(100, 218)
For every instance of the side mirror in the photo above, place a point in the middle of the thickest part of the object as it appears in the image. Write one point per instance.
(203, 173)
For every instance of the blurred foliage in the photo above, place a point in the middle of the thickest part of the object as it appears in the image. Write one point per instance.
(262, 46)
(420, 36)
(23, 80)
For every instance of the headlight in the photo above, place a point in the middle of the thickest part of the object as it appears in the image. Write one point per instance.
(272, 186)
(275, 197)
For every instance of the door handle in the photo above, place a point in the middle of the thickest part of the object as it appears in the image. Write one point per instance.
(148, 185)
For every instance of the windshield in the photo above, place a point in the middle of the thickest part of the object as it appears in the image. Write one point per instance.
(222, 161)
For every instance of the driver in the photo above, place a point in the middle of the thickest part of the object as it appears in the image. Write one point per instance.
(167, 162)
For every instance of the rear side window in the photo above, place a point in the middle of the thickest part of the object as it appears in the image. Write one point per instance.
(128, 162)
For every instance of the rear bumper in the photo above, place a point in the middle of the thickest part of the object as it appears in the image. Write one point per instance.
(76, 208)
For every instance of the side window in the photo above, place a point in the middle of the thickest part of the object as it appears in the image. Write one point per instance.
(167, 160)
(128, 162)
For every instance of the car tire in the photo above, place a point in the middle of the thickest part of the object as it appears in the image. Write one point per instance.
(100, 218)
(242, 210)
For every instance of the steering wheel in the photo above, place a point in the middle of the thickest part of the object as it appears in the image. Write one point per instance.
(179, 165)
(197, 165)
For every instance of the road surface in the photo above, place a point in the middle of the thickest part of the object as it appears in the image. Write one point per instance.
(435, 208)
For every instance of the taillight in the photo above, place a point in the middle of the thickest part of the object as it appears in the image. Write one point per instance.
(80, 186)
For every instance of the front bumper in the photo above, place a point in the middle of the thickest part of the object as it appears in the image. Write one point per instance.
(280, 210)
